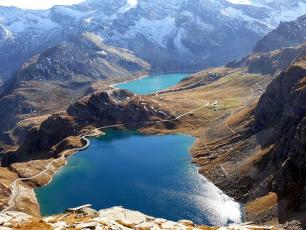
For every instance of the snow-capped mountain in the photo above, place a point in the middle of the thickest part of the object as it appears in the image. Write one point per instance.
(171, 35)
(26, 33)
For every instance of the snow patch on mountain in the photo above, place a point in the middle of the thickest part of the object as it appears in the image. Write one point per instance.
(17, 20)
(5, 33)
(269, 12)
(129, 5)
(156, 31)
(236, 13)
(88, 20)
(181, 33)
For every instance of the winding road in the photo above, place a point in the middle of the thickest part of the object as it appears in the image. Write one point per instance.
(14, 185)
(248, 98)
(226, 123)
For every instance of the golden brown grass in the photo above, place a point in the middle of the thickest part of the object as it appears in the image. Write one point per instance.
(225, 95)
(262, 203)
(7, 176)
(34, 121)
(35, 224)
(262, 207)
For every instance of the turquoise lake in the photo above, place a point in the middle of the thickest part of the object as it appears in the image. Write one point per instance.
(148, 173)
(152, 83)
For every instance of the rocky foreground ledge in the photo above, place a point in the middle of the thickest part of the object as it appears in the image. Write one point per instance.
(116, 218)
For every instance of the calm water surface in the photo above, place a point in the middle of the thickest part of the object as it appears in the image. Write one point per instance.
(152, 83)
(148, 173)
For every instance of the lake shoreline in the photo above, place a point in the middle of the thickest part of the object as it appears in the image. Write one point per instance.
(189, 163)
(159, 82)
(95, 133)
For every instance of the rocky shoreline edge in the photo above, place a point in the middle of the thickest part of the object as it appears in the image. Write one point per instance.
(84, 218)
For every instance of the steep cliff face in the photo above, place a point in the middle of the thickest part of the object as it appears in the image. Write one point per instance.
(284, 99)
(38, 141)
(281, 111)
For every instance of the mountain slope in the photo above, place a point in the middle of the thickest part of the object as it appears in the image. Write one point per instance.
(271, 62)
(257, 153)
(28, 32)
(60, 75)
(286, 34)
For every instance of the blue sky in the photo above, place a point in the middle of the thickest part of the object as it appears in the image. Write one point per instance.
(37, 4)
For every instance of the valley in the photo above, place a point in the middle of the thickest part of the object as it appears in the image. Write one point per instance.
(216, 106)
(190, 113)
(191, 118)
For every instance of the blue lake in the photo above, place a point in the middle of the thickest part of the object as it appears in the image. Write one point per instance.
(148, 173)
(152, 83)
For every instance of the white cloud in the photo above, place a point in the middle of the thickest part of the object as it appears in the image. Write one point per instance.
(37, 4)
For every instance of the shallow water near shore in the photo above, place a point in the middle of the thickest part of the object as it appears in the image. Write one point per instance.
(152, 174)
(152, 83)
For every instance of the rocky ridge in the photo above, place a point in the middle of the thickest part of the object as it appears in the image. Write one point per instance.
(98, 110)
(271, 62)
(116, 218)
(281, 111)
(285, 35)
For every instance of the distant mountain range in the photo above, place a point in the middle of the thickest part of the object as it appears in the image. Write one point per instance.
(171, 35)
